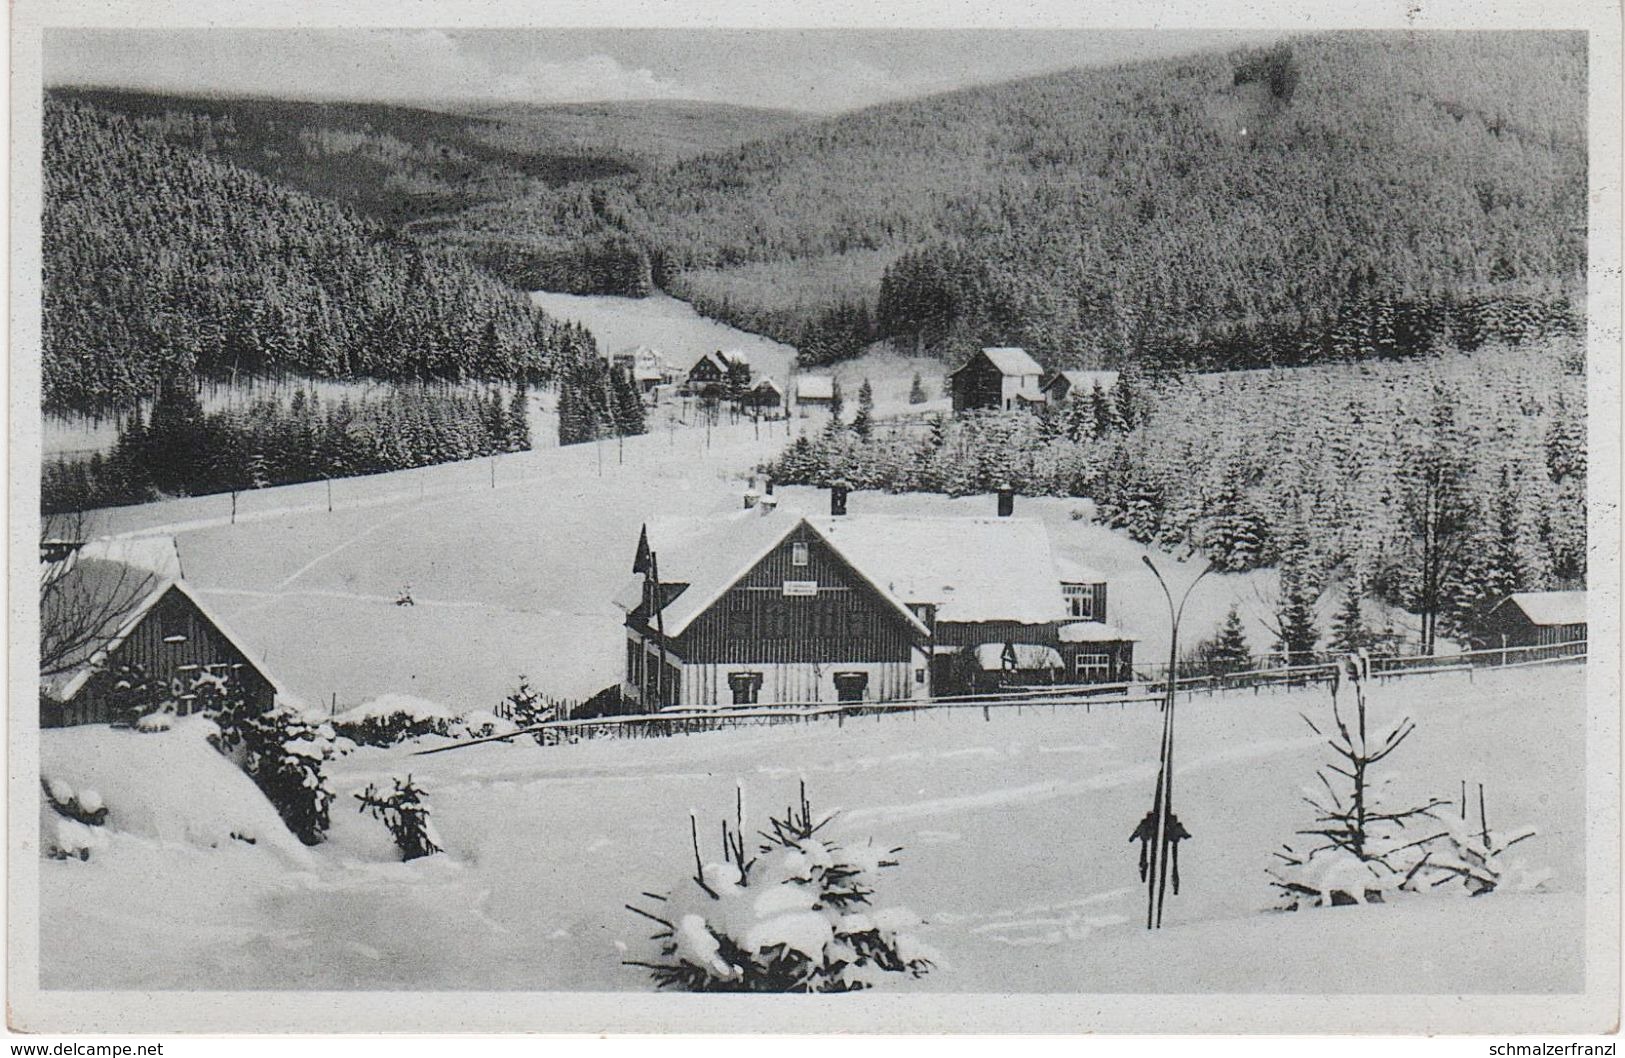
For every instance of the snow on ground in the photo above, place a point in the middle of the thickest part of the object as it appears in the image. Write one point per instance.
(1016, 854)
(517, 578)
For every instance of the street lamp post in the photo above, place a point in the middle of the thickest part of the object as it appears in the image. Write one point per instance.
(1160, 832)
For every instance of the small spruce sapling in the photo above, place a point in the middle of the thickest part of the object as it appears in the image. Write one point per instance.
(405, 811)
(796, 916)
(1359, 850)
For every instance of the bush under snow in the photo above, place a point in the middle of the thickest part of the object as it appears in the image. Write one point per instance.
(795, 917)
(394, 718)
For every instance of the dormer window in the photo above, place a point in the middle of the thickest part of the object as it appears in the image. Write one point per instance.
(1080, 600)
(798, 554)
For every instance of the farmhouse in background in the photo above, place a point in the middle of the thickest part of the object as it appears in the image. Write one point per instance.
(770, 606)
(647, 365)
(765, 397)
(711, 371)
(815, 391)
(1536, 618)
(1001, 378)
(145, 616)
(1063, 385)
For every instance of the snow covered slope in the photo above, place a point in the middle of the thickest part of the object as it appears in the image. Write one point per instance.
(1016, 853)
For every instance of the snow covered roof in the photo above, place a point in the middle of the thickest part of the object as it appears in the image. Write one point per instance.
(767, 383)
(1071, 572)
(1009, 359)
(816, 387)
(971, 569)
(1029, 657)
(707, 556)
(1550, 607)
(126, 578)
(733, 356)
(1084, 380)
(1093, 632)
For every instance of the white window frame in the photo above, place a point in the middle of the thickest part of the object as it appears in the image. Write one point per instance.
(1080, 600)
(1092, 665)
(798, 553)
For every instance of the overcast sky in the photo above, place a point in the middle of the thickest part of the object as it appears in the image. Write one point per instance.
(818, 70)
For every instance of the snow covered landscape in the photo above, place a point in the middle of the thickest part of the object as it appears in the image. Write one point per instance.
(1015, 855)
(1112, 523)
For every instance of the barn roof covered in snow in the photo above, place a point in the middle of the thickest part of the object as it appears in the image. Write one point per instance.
(1023, 657)
(1009, 359)
(1083, 380)
(1549, 607)
(815, 387)
(120, 581)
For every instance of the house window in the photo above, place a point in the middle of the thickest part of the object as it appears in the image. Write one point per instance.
(1080, 600)
(798, 554)
(746, 687)
(1093, 668)
(850, 686)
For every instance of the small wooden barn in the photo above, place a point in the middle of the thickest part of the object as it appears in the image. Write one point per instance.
(1536, 618)
(1064, 385)
(144, 624)
(1000, 378)
(815, 391)
(765, 397)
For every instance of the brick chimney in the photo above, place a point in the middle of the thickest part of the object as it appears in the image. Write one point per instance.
(837, 499)
(1007, 501)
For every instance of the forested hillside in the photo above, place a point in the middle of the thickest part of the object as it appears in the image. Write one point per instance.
(1350, 194)
(1440, 484)
(164, 260)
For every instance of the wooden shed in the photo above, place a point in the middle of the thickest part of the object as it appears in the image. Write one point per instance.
(148, 623)
(1536, 618)
(999, 378)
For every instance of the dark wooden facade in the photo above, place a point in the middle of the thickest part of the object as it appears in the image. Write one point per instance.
(794, 626)
(173, 642)
(978, 384)
(1509, 626)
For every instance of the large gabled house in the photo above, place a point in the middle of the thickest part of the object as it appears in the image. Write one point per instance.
(998, 378)
(113, 612)
(710, 372)
(771, 606)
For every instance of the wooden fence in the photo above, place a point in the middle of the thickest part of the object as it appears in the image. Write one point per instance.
(679, 720)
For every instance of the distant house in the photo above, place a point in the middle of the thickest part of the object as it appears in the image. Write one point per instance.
(769, 606)
(712, 370)
(647, 366)
(1064, 384)
(998, 378)
(1536, 618)
(765, 396)
(815, 391)
(146, 619)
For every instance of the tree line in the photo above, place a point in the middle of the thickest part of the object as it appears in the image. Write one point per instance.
(179, 449)
(163, 261)
(1439, 485)
(1345, 194)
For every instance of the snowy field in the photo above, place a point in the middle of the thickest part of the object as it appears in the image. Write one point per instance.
(518, 578)
(1015, 856)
